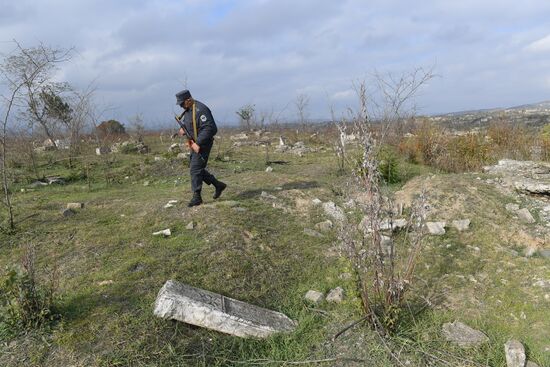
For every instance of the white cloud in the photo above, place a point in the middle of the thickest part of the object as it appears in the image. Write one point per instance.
(541, 45)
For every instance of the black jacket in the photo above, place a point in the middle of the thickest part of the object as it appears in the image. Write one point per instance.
(206, 126)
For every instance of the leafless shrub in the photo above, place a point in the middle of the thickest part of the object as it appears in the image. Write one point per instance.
(383, 277)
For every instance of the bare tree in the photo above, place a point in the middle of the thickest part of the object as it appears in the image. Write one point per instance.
(302, 103)
(137, 126)
(246, 114)
(25, 72)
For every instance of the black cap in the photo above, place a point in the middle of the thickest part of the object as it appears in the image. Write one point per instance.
(182, 96)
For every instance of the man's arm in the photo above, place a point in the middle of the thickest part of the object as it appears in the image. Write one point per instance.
(207, 127)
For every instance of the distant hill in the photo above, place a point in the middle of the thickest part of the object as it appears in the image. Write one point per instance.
(530, 115)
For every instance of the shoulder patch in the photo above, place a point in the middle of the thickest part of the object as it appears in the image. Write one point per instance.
(203, 118)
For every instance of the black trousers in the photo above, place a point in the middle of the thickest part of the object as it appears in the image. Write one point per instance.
(197, 167)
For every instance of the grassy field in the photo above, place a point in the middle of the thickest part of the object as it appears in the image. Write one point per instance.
(110, 267)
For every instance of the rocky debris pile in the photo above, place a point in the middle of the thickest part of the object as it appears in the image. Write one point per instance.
(130, 146)
(299, 148)
(524, 176)
(51, 180)
(177, 148)
(102, 150)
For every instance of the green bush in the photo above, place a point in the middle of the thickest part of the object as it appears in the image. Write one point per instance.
(388, 165)
(24, 304)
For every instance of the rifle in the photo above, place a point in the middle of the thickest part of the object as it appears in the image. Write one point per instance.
(187, 133)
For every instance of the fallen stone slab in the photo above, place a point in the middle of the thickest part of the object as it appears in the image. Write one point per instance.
(436, 228)
(515, 353)
(312, 233)
(463, 335)
(314, 297)
(214, 311)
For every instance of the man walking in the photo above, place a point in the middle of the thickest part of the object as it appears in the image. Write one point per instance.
(198, 120)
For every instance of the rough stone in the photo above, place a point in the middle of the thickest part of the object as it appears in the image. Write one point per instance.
(316, 201)
(336, 295)
(531, 364)
(511, 207)
(525, 216)
(68, 212)
(182, 156)
(463, 335)
(392, 225)
(146, 183)
(190, 225)
(168, 206)
(461, 225)
(312, 233)
(345, 276)
(265, 195)
(75, 205)
(269, 169)
(515, 353)
(314, 297)
(436, 228)
(164, 232)
(324, 226)
(334, 211)
(202, 308)
(105, 282)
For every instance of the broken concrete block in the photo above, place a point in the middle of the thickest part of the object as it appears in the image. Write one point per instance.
(436, 228)
(75, 205)
(314, 297)
(164, 232)
(461, 225)
(214, 311)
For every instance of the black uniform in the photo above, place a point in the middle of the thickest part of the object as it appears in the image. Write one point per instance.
(205, 130)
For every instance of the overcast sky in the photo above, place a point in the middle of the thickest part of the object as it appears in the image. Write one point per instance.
(486, 53)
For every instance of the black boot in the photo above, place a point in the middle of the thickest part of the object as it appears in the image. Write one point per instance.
(220, 186)
(196, 200)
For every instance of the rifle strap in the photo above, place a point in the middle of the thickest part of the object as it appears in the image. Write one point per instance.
(194, 122)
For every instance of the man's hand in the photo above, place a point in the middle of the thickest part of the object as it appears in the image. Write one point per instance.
(181, 132)
(195, 147)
